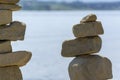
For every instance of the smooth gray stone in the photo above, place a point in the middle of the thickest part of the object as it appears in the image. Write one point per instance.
(90, 67)
(14, 31)
(5, 47)
(10, 73)
(9, 1)
(88, 29)
(12, 7)
(5, 17)
(81, 46)
(19, 58)
(89, 18)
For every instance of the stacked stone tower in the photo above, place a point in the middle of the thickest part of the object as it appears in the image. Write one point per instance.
(11, 31)
(87, 65)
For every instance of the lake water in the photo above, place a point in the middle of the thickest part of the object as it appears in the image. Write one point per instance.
(47, 30)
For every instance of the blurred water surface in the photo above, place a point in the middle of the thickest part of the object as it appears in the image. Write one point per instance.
(47, 30)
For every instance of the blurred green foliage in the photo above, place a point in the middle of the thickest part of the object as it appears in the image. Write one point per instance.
(76, 5)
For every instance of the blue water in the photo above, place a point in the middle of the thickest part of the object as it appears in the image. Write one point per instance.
(47, 30)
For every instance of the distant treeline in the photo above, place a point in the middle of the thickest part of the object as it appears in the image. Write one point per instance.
(50, 5)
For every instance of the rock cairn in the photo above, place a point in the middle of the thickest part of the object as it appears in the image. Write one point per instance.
(11, 31)
(87, 65)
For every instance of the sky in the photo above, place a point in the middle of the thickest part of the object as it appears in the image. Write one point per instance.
(84, 0)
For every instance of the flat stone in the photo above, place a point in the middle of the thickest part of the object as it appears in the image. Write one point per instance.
(5, 16)
(12, 7)
(90, 67)
(10, 73)
(19, 58)
(9, 1)
(89, 18)
(5, 47)
(81, 46)
(88, 29)
(14, 31)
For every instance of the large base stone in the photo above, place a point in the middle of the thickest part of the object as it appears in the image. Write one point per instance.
(5, 16)
(90, 67)
(14, 31)
(12, 7)
(10, 73)
(88, 29)
(9, 1)
(19, 58)
(5, 47)
(81, 46)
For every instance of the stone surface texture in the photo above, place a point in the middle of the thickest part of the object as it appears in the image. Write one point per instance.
(87, 65)
(14, 31)
(10, 73)
(89, 18)
(19, 58)
(5, 47)
(88, 29)
(9, 1)
(12, 7)
(11, 31)
(5, 17)
(81, 46)
(90, 67)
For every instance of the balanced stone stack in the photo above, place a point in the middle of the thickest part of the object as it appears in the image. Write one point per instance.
(11, 31)
(87, 65)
